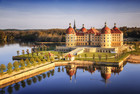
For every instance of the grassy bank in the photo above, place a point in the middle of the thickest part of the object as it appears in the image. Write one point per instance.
(111, 57)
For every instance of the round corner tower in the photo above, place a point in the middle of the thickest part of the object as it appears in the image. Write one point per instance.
(70, 37)
(105, 37)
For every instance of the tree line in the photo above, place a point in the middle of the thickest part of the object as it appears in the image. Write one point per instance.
(132, 32)
(51, 35)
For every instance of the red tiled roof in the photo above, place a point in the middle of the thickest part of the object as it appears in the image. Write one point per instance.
(83, 29)
(93, 31)
(50, 54)
(70, 30)
(69, 55)
(71, 72)
(105, 30)
(79, 34)
(106, 76)
(115, 30)
(91, 70)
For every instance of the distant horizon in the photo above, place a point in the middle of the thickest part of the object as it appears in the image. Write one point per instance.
(51, 14)
(60, 28)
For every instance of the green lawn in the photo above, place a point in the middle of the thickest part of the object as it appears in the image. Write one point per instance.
(40, 53)
(90, 54)
(136, 52)
(103, 57)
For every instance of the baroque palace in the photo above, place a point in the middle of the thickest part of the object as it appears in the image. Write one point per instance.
(92, 40)
(105, 38)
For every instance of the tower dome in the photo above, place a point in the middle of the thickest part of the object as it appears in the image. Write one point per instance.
(70, 30)
(83, 29)
(105, 30)
(106, 76)
(115, 29)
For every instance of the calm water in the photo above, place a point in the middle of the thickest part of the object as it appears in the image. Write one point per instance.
(75, 79)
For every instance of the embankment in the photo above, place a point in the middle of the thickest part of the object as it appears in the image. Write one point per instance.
(15, 77)
(134, 59)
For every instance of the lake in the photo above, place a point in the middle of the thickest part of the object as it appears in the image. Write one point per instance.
(74, 79)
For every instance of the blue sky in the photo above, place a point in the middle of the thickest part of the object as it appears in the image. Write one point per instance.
(45, 14)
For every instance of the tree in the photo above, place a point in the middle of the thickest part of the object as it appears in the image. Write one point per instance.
(44, 61)
(93, 56)
(3, 36)
(17, 53)
(66, 58)
(28, 64)
(85, 55)
(9, 67)
(34, 79)
(10, 89)
(37, 53)
(16, 66)
(48, 74)
(2, 68)
(106, 57)
(99, 57)
(22, 64)
(38, 48)
(48, 58)
(58, 57)
(52, 59)
(32, 52)
(58, 69)
(27, 51)
(39, 61)
(34, 63)
(23, 52)
(32, 60)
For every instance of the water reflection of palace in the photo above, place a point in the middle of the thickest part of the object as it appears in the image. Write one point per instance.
(105, 71)
(71, 70)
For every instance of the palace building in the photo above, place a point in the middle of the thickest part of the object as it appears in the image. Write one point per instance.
(106, 38)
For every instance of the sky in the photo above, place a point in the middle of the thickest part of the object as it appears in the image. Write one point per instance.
(46, 14)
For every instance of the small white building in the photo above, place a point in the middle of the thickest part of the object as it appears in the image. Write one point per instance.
(69, 57)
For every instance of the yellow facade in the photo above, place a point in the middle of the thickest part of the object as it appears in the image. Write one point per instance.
(70, 40)
(104, 40)
(107, 39)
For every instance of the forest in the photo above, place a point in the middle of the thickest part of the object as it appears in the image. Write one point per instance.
(51, 35)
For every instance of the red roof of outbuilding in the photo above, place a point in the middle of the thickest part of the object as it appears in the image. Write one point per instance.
(69, 55)
(50, 54)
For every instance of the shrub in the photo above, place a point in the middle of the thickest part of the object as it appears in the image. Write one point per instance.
(9, 67)
(28, 64)
(2, 68)
(44, 61)
(16, 66)
(22, 64)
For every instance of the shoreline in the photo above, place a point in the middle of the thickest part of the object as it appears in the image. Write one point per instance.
(7, 79)
(135, 59)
